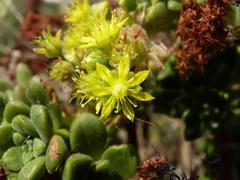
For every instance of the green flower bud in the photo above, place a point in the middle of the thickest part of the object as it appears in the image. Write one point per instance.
(41, 121)
(50, 45)
(23, 74)
(62, 70)
(121, 154)
(56, 153)
(157, 10)
(77, 165)
(233, 18)
(159, 18)
(128, 5)
(27, 157)
(95, 57)
(36, 93)
(174, 5)
(39, 147)
(23, 125)
(5, 85)
(6, 132)
(11, 159)
(88, 135)
(34, 170)
(18, 138)
(14, 108)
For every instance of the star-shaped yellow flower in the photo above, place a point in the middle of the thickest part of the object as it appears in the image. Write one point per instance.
(115, 90)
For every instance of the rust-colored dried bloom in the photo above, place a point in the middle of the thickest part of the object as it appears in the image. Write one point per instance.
(202, 32)
(153, 169)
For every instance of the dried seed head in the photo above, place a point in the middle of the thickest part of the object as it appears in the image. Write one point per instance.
(202, 32)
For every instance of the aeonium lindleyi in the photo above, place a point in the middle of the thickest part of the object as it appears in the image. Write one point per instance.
(113, 90)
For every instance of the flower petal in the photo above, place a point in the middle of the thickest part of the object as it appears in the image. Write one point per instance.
(138, 78)
(128, 110)
(98, 91)
(104, 73)
(108, 107)
(141, 96)
(123, 67)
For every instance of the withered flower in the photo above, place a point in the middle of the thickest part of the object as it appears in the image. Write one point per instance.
(202, 32)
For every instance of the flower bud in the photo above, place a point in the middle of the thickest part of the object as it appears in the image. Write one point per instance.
(128, 5)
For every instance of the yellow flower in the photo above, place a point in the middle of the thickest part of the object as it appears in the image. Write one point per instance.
(78, 12)
(114, 90)
(103, 32)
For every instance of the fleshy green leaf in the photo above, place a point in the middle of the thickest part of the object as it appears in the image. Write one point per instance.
(122, 160)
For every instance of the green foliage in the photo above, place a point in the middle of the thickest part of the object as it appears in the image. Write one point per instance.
(88, 135)
(36, 94)
(123, 154)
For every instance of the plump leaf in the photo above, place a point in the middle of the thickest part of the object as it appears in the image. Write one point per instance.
(39, 147)
(18, 138)
(23, 74)
(14, 108)
(36, 93)
(88, 135)
(11, 159)
(6, 132)
(122, 159)
(23, 125)
(56, 153)
(41, 121)
(34, 170)
(76, 166)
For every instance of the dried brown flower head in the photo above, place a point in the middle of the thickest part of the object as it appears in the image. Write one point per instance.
(156, 169)
(202, 32)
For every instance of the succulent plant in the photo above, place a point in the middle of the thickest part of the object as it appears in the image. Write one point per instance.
(35, 142)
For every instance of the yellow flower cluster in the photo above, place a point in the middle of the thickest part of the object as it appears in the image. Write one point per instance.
(98, 42)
